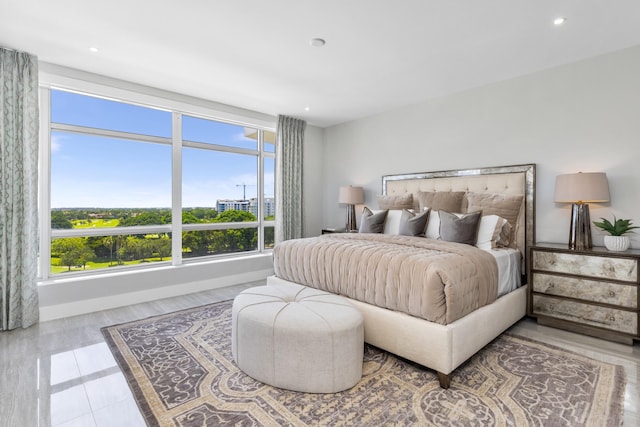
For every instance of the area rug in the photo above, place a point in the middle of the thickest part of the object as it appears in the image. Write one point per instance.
(181, 371)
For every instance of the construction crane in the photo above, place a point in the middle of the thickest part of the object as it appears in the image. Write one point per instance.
(244, 189)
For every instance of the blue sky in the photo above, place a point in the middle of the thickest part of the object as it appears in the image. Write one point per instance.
(90, 171)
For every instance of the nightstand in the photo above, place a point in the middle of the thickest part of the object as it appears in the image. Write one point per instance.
(593, 292)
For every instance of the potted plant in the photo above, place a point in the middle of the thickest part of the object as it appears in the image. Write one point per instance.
(617, 241)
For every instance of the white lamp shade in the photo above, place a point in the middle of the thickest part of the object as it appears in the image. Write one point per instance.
(582, 187)
(351, 195)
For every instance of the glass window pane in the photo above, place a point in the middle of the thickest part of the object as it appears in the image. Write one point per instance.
(213, 132)
(216, 242)
(72, 254)
(269, 237)
(269, 189)
(83, 110)
(221, 181)
(98, 174)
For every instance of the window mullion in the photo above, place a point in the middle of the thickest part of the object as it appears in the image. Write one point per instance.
(110, 231)
(176, 189)
(44, 197)
(260, 210)
(216, 147)
(127, 136)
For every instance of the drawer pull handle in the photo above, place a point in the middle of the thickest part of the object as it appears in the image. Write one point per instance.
(552, 285)
(612, 294)
(612, 318)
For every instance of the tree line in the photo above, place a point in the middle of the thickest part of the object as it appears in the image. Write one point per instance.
(120, 249)
(64, 218)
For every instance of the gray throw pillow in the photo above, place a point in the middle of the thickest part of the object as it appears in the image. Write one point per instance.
(463, 229)
(413, 224)
(372, 222)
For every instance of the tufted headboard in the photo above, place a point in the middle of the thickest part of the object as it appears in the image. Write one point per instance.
(512, 180)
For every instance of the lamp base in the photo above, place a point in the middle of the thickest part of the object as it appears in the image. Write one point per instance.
(580, 231)
(351, 218)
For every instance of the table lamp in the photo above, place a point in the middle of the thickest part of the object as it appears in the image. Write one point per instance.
(580, 189)
(351, 196)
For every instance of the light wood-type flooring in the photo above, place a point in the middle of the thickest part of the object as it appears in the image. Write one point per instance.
(61, 373)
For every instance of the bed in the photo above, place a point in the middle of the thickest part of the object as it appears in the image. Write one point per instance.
(441, 335)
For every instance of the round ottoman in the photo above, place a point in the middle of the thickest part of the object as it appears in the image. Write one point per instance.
(297, 338)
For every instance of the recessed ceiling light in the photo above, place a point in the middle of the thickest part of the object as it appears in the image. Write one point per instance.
(559, 21)
(93, 49)
(306, 108)
(317, 42)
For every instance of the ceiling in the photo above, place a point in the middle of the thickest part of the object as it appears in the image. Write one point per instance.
(256, 54)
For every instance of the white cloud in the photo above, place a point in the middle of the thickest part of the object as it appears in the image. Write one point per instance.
(56, 142)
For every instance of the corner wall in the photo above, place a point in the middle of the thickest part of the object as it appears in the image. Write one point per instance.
(578, 117)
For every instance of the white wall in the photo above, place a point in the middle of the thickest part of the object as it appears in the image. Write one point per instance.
(579, 117)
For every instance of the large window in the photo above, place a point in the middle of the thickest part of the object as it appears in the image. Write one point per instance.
(132, 186)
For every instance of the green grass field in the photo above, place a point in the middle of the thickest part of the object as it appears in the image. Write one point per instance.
(56, 269)
(95, 223)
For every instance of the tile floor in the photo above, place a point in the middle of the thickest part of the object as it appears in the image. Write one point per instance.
(61, 373)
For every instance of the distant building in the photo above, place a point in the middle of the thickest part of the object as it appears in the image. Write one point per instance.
(269, 206)
(232, 205)
(250, 205)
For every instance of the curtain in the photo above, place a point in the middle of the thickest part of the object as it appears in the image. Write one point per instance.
(18, 189)
(289, 149)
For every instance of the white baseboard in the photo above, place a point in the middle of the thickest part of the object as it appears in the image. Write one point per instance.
(75, 308)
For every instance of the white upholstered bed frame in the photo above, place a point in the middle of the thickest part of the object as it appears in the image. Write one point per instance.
(445, 347)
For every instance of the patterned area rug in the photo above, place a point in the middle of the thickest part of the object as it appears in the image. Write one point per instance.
(182, 373)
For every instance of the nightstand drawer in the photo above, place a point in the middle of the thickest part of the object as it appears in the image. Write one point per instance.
(589, 290)
(586, 314)
(624, 269)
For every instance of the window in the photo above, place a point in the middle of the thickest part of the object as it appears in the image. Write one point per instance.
(116, 194)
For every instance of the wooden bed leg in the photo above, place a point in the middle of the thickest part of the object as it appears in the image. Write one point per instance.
(445, 380)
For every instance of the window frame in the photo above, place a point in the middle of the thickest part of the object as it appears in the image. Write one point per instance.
(178, 107)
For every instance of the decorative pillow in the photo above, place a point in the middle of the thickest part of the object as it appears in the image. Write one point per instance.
(392, 223)
(459, 229)
(504, 205)
(450, 201)
(504, 238)
(433, 225)
(401, 201)
(493, 232)
(413, 224)
(372, 222)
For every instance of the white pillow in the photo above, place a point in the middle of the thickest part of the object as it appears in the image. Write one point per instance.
(433, 226)
(392, 223)
(493, 231)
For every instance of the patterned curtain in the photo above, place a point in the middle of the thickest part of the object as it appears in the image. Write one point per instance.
(289, 142)
(18, 189)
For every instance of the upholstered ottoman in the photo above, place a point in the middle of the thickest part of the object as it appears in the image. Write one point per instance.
(297, 338)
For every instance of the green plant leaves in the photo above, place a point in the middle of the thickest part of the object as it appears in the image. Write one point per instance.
(617, 228)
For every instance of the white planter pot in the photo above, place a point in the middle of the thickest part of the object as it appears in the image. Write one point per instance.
(617, 243)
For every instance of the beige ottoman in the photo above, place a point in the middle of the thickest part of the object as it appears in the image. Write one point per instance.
(297, 338)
